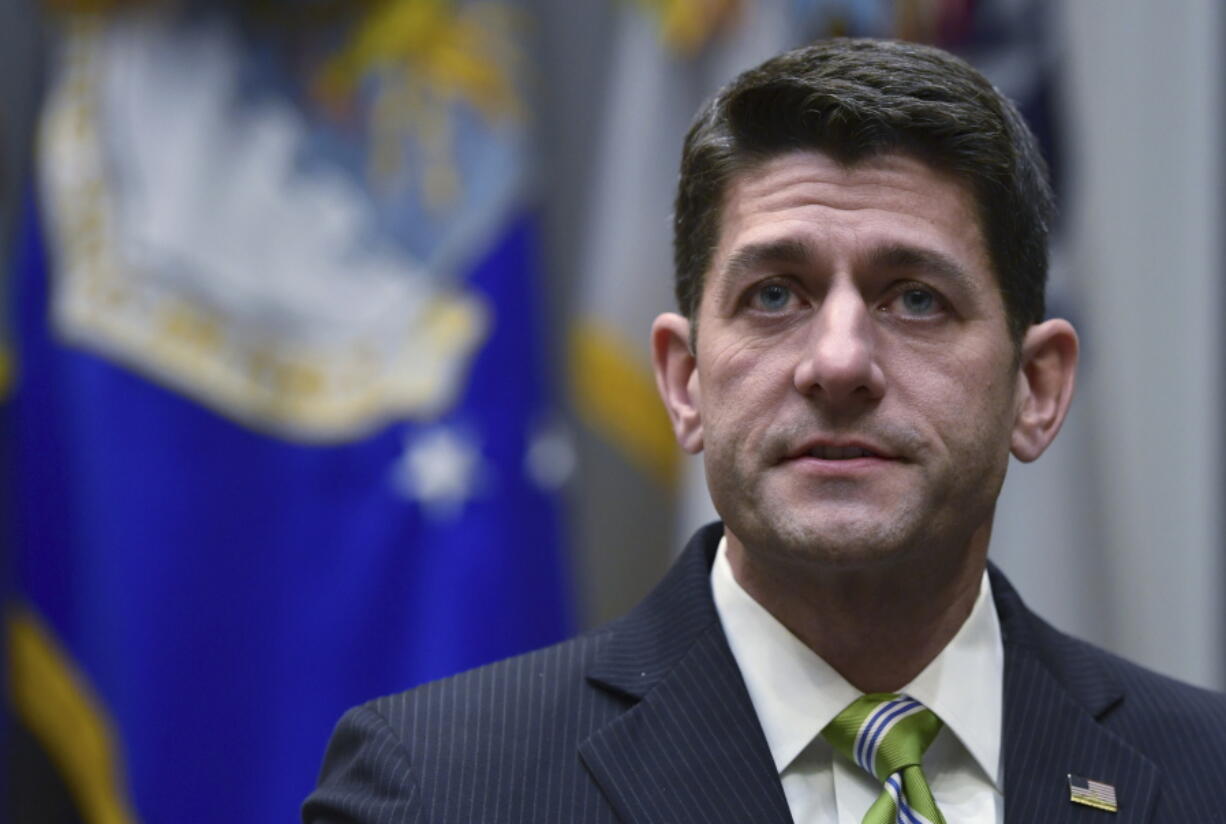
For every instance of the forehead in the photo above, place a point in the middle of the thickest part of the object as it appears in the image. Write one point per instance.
(844, 213)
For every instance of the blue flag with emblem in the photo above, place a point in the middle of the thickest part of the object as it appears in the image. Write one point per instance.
(281, 435)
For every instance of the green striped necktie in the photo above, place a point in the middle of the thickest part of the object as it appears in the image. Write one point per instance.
(886, 734)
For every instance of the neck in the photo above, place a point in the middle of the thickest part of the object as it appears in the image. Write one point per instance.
(879, 626)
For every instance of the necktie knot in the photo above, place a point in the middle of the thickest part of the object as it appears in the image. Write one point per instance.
(886, 735)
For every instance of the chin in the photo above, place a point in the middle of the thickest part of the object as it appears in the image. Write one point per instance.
(831, 542)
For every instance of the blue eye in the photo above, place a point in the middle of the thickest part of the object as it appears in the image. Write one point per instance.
(773, 297)
(918, 302)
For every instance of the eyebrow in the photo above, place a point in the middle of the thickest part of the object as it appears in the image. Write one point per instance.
(751, 258)
(899, 256)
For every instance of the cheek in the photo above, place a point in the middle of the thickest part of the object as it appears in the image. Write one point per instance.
(739, 366)
(735, 429)
(967, 399)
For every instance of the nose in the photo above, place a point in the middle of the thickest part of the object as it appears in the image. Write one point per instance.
(839, 361)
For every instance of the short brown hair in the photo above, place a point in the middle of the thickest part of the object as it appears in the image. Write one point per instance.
(856, 98)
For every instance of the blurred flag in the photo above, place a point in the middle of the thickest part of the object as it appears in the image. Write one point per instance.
(280, 434)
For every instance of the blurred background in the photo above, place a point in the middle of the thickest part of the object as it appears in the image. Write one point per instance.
(323, 362)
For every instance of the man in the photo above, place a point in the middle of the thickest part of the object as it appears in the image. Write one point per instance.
(860, 241)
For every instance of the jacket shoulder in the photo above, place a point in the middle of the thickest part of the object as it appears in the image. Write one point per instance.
(1157, 709)
(501, 743)
(1178, 726)
(496, 743)
(528, 693)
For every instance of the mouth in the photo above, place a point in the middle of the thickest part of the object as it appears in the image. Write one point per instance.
(845, 452)
(840, 453)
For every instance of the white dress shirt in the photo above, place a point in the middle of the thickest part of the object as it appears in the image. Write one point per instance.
(796, 694)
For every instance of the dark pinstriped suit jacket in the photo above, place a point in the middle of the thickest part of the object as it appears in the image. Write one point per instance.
(647, 720)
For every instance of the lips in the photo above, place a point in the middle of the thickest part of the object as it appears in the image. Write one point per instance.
(840, 453)
(839, 449)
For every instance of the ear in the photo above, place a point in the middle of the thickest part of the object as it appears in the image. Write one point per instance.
(677, 378)
(1045, 381)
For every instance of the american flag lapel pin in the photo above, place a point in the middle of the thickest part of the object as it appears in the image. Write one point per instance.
(1092, 793)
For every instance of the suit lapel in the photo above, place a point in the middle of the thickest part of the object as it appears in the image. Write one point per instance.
(1056, 698)
(689, 747)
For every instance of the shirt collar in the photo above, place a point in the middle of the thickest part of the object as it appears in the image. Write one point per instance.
(796, 694)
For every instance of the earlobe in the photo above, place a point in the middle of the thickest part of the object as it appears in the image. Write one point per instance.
(1046, 378)
(677, 378)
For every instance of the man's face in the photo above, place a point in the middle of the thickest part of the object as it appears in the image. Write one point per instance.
(855, 383)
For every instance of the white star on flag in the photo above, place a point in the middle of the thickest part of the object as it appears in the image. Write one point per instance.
(440, 469)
